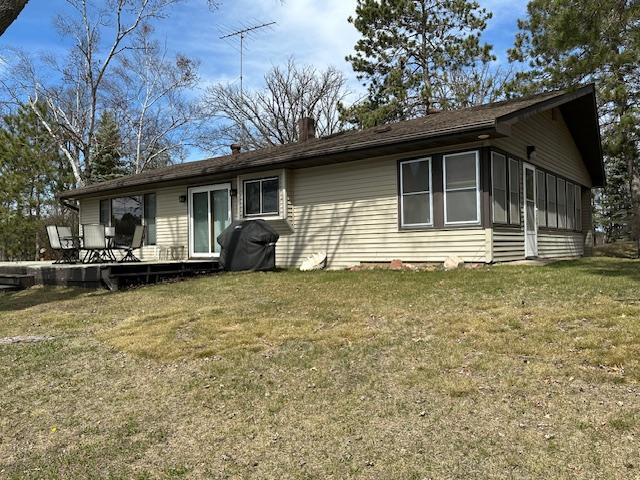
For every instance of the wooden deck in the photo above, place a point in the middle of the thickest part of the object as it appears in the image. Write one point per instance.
(103, 275)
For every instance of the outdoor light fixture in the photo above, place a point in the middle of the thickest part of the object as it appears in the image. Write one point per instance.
(182, 198)
(484, 136)
(233, 192)
(531, 152)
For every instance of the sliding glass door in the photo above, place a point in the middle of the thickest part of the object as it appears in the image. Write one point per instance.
(209, 215)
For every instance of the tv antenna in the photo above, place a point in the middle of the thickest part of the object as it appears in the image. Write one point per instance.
(242, 34)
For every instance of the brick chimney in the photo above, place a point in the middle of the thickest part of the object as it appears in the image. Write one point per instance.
(235, 148)
(306, 129)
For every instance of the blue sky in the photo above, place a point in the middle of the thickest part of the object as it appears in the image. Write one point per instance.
(314, 32)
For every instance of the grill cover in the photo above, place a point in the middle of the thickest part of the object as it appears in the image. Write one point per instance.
(248, 245)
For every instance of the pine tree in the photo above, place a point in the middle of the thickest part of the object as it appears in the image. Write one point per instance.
(31, 172)
(567, 42)
(408, 50)
(107, 155)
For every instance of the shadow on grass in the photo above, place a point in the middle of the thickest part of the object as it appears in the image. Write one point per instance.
(13, 301)
(603, 266)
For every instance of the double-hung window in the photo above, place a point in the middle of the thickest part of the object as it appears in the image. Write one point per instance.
(499, 183)
(562, 204)
(461, 188)
(541, 200)
(416, 199)
(514, 191)
(552, 216)
(261, 196)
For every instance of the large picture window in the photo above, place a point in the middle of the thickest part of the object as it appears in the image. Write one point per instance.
(416, 201)
(562, 204)
(261, 196)
(552, 217)
(461, 188)
(541, 200)
(124, 213)
(499, 183)
(514, 191)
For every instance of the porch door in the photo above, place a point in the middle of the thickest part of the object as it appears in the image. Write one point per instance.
(209, 215)
(530, 224)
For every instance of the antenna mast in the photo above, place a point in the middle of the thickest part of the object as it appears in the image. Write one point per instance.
(243, 33)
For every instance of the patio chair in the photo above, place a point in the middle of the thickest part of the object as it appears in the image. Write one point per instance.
(95, 243)
(136, 243)
(62, 242)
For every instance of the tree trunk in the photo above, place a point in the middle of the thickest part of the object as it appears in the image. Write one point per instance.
(9, 11)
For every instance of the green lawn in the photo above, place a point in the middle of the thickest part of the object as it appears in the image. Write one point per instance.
(498, 372)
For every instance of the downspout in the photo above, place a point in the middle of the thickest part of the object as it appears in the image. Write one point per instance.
(68, 205)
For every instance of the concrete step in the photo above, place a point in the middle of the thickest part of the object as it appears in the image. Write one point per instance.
(17, 280)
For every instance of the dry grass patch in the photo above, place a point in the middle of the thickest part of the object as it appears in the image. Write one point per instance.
(519, 372)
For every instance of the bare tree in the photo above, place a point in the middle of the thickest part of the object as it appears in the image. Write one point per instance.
(269, 116)
(151, 93)
(475, 85)
(9, 11)
(100, 36)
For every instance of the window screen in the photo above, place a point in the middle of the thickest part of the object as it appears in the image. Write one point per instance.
(461, 188)
(552, 215)
(499, 182)
(415, 192)
(571, 206)
(541, 198)
(578, 201)
(514, 192)
(562, 204)
(261, 196)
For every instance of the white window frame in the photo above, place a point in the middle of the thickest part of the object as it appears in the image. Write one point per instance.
(208, 189)
(445, 190)
(244, 197)
(429, 193)
(506, 189)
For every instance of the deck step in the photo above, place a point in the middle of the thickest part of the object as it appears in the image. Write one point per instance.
(17, 280)
(9, 288)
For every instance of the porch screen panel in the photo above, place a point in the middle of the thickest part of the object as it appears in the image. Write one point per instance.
(562, 204)
(201, 222)
(571, 211)
(220, 212)
(541, 200)
(578, 208)
(551, 201)
(499, 179)
(514, 191)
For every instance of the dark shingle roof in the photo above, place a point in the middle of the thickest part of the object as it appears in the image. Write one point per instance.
(434, 125)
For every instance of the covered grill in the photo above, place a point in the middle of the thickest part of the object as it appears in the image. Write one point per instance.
(248, 245)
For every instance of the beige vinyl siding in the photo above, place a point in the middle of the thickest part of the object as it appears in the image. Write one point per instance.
(560, 244)
(89, 211)
(350, 210)
(508, 244)
(555, 149)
